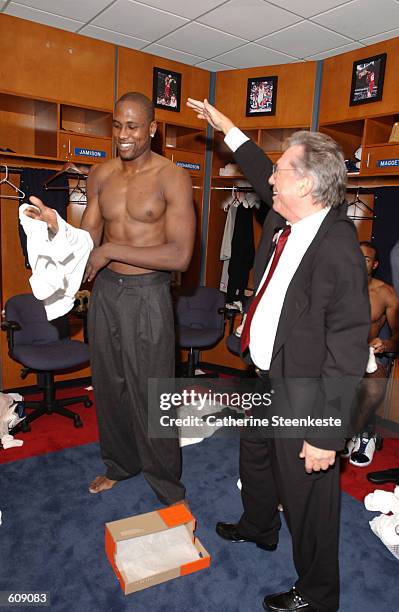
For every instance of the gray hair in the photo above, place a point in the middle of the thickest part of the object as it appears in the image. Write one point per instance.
(323, 159)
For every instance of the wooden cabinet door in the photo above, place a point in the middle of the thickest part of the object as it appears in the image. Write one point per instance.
(78, 148)
(380, 159)
(193, 162)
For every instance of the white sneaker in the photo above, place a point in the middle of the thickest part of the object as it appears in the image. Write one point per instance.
(363, 451)
(349, 446)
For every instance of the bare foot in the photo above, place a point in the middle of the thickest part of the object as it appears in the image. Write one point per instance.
(101, 483)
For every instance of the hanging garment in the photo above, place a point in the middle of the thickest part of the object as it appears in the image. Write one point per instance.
(58, 264)
(225, 249)
(32, 180)
(242, 254)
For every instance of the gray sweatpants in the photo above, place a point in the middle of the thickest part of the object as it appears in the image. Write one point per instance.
(131, 334)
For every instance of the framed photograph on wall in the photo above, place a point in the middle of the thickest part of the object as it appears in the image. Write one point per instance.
(367, 79)
(166, 90)
(261, 96)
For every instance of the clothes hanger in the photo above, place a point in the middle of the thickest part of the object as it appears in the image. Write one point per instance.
(358, 203)
(68, 168)
(78, 194)
(5, 181)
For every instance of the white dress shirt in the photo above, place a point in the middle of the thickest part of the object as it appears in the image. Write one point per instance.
(266, 318)
(235, 138)
(267, 315)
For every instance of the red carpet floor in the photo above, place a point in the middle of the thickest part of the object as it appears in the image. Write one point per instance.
(353, 479)
(52, 433)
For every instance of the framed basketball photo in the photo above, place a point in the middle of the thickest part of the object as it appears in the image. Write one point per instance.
(367, 79)
(261, 96)
(166, 89)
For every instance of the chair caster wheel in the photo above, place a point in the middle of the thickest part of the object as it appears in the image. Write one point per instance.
(25, 427)
(77, 422)
(88, 403)
(379, 442)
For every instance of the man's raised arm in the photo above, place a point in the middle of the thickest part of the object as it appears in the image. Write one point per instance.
(254, 163)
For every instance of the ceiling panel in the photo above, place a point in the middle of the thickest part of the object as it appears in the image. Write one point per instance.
(114, 37)
(379, 37)
(253, 55)
(185, 8)
(20, 10)
(80, 10)
(222, 33)
(307, 8)
(362, 18)
(213, 66)
(264, 18)
(173, 54)
(201, 40)
(138, 20)
(304, 39)
(337, 51)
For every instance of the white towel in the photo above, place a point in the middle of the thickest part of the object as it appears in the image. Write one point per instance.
(371, 364)
(387, 529)
(58, 264)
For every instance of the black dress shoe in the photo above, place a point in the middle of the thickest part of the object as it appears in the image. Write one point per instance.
(286, 602)
(391, 475)
(229, 531)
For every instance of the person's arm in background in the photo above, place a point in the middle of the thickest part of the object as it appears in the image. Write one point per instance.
(254, 163)
(395, 267)
(391, 344)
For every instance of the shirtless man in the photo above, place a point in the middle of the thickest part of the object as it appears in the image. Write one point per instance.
(141, 219)
(384, 309)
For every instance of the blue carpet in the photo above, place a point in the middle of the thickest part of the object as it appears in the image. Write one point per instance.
(52, 539)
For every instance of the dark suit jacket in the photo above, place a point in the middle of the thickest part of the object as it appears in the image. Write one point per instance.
(325, 319)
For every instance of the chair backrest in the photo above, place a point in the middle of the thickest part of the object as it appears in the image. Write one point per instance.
(198, 308)
(29, 312)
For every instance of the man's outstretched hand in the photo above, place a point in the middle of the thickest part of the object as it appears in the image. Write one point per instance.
(211, 114)
(40, 212)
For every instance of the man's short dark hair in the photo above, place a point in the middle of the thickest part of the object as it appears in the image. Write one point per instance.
(372, 246)
(142, 100)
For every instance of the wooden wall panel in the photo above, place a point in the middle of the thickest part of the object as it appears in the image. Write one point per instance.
(136, 72)
(337, 79)
(295, 89)
(45, 62)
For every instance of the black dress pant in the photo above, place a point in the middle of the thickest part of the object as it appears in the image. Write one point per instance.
(271, 473)
(131, 333)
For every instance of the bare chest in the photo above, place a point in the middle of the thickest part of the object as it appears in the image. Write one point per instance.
(135, 198)
(378, 306)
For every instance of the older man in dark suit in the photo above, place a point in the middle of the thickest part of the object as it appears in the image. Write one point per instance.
(308, 321)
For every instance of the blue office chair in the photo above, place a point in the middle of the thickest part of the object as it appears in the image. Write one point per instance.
(43, 347)
(199, 323)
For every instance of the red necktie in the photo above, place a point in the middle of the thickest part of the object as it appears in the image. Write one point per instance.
(245, 335)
